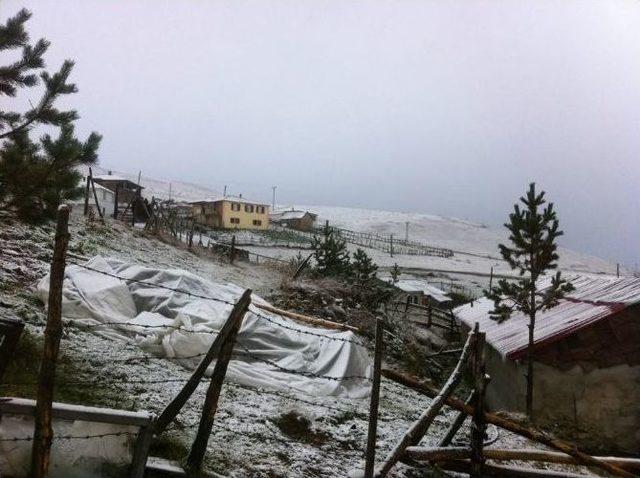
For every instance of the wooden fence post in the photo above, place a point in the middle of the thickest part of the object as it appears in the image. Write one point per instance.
(43, 431)
(86, 196)
(370, 455)
(171, 410)
(391, 245)
(478, 426)
(10, 331)
(232, 254)
(199, 447)
(418, 429)
(95, 195)
(115, 203)
(456, 424)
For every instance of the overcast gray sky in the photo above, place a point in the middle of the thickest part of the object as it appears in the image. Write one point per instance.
(446, 107)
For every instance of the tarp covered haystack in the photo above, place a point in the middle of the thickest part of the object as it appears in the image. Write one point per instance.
(91, 298)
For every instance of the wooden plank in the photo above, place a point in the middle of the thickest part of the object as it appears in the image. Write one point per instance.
(307, 319)
(43, 430)
(418, 453)
(509, 471)
(172, 410)
(418, 429)
(141, 452)
(67, 411)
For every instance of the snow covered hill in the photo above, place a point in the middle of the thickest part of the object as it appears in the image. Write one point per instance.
(460, 235)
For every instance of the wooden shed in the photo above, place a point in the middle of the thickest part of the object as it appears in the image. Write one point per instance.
(293, 219)
(587, 361)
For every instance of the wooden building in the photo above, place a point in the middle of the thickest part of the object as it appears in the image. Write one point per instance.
(293, 219)
(127, 196)
(231, 212)
(587, 361)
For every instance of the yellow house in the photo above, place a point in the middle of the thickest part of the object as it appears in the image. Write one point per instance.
(230, 212)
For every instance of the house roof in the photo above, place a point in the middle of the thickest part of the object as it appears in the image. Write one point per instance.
(418, 286)
(229, 199)
(114, 179)
(293, 214)
(595, 298)
(98, 188)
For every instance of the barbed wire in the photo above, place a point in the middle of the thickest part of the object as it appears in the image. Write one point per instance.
(153, 284)
(70, 437)
(200, 296)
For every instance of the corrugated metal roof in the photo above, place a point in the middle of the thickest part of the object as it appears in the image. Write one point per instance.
(595, 298)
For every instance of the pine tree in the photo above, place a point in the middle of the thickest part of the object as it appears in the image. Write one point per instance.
(363, 269)
(36, 177)
(331, 255)
(533, 252)
(23, 73)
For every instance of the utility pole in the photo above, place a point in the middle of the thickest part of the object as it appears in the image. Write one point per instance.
(225, 191)
(273, 207)
(406, 231)
(169, 191)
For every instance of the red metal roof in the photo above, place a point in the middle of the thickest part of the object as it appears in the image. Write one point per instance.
(595, 298)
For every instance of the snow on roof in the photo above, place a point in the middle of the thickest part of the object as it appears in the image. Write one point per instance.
(419, 286)
(230, 199)
(595, 298)
(284, 215)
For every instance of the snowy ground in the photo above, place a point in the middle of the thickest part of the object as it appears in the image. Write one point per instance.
(247, 438)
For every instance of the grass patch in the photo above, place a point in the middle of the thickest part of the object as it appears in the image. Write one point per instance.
(299, 428)
(168, 447)
(21, 376)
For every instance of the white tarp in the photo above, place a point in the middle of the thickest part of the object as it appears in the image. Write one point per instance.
(91, 297)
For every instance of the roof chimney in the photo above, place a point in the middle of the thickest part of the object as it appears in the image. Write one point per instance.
(109, 173)
(241, 195)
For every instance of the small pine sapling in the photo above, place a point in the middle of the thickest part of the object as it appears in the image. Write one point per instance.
(533, 253)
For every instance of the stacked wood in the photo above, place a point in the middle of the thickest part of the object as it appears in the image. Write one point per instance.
(526, 454)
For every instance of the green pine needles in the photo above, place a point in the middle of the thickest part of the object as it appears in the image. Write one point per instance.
(36, 177)
(331, 255)
(534, 230)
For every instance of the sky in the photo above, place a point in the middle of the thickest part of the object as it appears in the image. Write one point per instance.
(443, 107)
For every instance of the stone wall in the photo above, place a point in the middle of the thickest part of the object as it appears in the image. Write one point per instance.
(599, 409)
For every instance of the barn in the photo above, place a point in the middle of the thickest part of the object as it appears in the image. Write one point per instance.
(298, 220)
(587, 361)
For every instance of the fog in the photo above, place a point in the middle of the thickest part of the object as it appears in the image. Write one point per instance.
(442, 107)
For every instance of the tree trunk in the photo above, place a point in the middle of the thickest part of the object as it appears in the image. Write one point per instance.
(532, 325)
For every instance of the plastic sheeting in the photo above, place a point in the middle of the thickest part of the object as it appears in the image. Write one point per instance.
(91, 297)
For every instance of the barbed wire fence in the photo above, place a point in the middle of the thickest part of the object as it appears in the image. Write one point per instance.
(218, 336)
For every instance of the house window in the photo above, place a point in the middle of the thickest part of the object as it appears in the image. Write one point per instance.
(260, 209)
(235, 220)
(235, 206)
(257, 222)
(248, 208)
